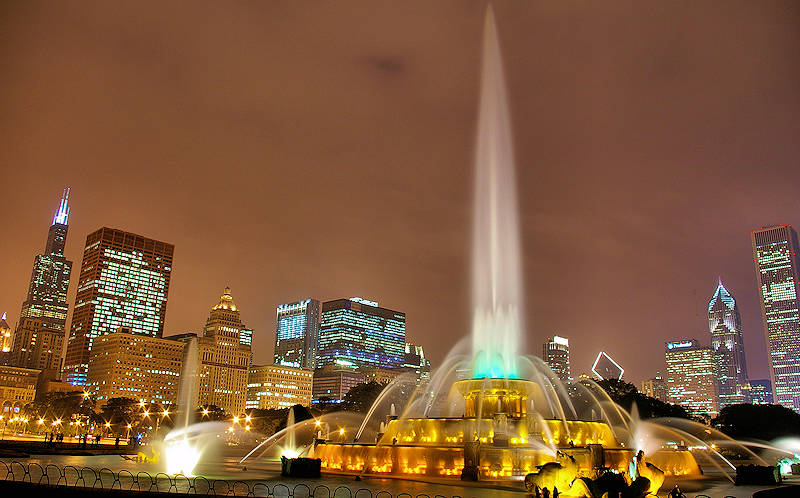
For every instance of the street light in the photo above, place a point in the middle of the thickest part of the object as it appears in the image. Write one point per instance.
(205, 412)
(235, 419)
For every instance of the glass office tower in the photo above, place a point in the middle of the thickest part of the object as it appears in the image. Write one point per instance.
(775, 257)
(124, 282)
(555, 352)
(358, 332)
(297, 333)
(725, 326)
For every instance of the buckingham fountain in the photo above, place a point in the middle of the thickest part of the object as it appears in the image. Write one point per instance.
(489, 412)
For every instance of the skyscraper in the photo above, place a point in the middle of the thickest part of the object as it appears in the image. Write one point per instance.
(725, 326)
(36, 346)
(297, 333)
(691, 380)
(361, 333)
(47, 293)
(5, 335)
(775, 257)
(655, 387)
(124, 282)
(555, 352)
(224, 360)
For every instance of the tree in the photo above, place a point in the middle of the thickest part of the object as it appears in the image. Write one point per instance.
(765, 422)
(120, 410)
(361, 396)
(625, 394)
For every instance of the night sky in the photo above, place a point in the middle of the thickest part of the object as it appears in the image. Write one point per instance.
(324, 149)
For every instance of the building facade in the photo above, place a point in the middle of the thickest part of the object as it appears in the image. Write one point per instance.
(725, 327)
(6, 337)
(124, 282)
(46, 300)
(278, 386)
(655, 387)
(360, 332)
(224, 361)
(135, 366)
(759, 392)
(417, 363)
(37, 346)
(555, 352)
(332, 382)
(297, 333)
(775, 256)
(691, 377)
(17, 388)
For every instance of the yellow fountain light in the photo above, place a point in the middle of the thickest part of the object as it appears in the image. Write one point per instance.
(129, 426)
(181, 457)
(318, 423)
(85, 394)
(141, 403)
(166, 412)
(40, 421)
(205, 412)
(108, 424)
(341, 431)
(235, 419)
(247, 428)
(146, 413)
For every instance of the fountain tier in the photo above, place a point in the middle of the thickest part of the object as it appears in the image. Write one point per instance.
(505, 440)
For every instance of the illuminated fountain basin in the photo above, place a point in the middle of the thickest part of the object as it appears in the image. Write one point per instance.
(504, 441)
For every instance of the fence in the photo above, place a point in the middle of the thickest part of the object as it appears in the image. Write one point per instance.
(105, 478)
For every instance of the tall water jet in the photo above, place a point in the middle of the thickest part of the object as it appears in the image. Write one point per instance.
(188, 381)
(180, 450)
(496, 263)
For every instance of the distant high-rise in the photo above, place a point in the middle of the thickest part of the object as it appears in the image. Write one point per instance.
(655, 387)
(691, 380)
(224, 360)
(555, 352)
(36, 346)
(5, 335)
(416, 362)
(775, 257)
(297, 333)
(759, 392)
(124, 282)
(47, 293)
(725, 326)
(362, 334)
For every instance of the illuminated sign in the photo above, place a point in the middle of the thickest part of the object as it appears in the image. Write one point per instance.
(680, 345)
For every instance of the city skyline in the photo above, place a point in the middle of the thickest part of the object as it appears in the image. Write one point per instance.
(626, 154)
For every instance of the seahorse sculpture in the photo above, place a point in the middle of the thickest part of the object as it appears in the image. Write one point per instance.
(642, 468)
(559, 475)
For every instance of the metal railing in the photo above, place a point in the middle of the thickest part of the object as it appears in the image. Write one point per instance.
(105, 478)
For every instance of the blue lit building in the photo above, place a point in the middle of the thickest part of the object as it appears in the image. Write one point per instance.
(359, 332)
(775, 256)
(297, 333)
(725, 326)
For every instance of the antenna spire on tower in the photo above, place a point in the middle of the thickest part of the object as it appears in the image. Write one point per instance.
(62, 215)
